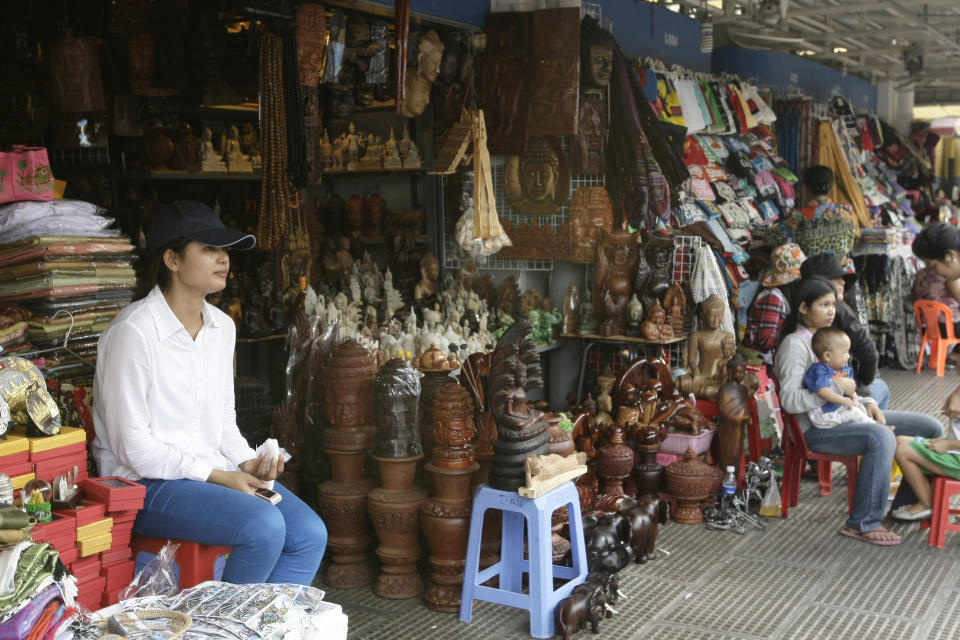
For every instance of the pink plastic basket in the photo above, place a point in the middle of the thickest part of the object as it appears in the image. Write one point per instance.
(678, 442)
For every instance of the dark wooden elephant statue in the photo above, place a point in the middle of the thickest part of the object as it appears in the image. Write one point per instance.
(610, 583)
(608, 542)
(587, 603)
(644, 518)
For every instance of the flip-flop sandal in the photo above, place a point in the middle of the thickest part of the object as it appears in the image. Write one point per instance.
(864, 537)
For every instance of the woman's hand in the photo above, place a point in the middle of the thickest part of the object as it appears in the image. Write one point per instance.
(264, 468)
(874, 411)
(937, 444)
(239, 480)
(951, 408)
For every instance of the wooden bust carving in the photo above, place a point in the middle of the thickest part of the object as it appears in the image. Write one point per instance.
(655, 327)
(615, 260)
(429, 277)
(508, 295)
(591, 213)
(707, 352)
(588, 152)
(675, 301)
(537, 183)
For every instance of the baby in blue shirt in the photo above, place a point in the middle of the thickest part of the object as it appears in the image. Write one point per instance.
(832, 379)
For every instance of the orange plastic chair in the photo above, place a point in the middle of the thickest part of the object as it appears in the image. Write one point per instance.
(928, 314)
(940, 523)
(195, 561)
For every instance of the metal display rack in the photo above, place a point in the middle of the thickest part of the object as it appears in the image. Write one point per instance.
(452, 255)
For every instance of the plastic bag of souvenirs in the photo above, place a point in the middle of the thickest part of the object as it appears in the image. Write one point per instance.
(158, 578)
(25, 174)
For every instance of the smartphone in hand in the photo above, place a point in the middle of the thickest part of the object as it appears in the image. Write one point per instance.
(270, 496)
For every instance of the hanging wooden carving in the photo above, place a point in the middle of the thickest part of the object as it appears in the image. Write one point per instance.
(506, 80)
(537, 182)
(555, 72)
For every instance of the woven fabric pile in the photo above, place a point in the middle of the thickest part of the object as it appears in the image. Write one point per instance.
(71, 270)
(36, 593)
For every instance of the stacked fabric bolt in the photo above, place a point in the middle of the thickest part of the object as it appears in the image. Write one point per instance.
(66, 264)
(41, 600)
(14, 337)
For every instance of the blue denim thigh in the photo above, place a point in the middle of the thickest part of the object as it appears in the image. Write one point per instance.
(305, 541)
(875, 443)
(213, 514)
(912, 423)
(880, 392)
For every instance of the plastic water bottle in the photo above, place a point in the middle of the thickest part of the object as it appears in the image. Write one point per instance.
(729, 487)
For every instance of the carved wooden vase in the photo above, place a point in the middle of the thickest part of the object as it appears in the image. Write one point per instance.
(343, 505)
(347, 386)
(561, 440)
(394, 508)
(430, 384)
(689, 480)
(647, 472)
(614, 461)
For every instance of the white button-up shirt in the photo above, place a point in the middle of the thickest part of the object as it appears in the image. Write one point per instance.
(163, 403)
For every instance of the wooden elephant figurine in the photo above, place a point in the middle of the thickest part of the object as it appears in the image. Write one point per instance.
(644, 517)
(610, 582)
(608, 542)
(587, 603)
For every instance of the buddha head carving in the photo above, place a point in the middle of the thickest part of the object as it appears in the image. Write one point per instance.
(454, 427)
(395, 410)
(590, 212)
(596, 56)
(736, 368)
(711, 312)
(429, 56)
(348, 386)
(417, 96)
(536, 182)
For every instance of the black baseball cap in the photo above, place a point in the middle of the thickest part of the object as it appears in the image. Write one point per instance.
(827, 265)
(196, 221)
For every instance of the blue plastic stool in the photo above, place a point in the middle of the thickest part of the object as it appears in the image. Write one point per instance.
(541, 599)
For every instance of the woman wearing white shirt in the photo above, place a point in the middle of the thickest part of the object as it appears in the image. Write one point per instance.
(164, 411)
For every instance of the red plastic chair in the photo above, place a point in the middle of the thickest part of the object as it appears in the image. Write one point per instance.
(939, 523)
(196, 561)
(928, 314)
(795, 455)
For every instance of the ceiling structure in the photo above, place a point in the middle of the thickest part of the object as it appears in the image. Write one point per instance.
(875, 39)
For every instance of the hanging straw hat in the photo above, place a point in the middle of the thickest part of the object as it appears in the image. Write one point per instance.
(785, 265)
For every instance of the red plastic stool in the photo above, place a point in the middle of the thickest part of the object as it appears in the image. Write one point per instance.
(196, 561)
(940, 523)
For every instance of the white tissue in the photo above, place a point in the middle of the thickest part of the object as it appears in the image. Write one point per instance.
(272, 450)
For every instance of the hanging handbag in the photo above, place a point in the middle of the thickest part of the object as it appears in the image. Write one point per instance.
(25, 174)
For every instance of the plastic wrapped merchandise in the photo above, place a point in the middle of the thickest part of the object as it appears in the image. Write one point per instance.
(465, 233)
(338, 34)
(24, 389)
(396, 414)
(378, 71)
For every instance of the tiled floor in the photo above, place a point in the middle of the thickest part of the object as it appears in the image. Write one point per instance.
(797, 579)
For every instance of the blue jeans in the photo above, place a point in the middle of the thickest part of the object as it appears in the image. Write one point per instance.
(271, 543)
(875, 443)
(880, 392)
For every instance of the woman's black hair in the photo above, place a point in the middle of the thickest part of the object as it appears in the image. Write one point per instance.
(807, 291)
(155, 272)
(933, 242)
(818, 179)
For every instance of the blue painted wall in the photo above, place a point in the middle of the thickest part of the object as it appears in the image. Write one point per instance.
(772, 68)
(469, 11)
(644, 29)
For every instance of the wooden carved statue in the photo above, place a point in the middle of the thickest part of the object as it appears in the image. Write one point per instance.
(588, 152)
(429, 277)
(508, 295)
(733, 400)
(652, 277)
(707, 352)
(521, 429)
(591, 214)
(675, 302)
(537, 183)
(616, 256)
(655, 327)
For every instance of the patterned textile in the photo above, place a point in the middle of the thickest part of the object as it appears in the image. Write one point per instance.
(817, 228)
(765, 318)
(928, 285)
(705, 280)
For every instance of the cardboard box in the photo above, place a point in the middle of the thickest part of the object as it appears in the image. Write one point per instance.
(56, 528)
(14, 444)
(96, 544)
(119, 494)
(68, 555)
(94, 529)
(50, 469)
(12, 459)
(74, 450)
(120, 517)
(111, 596)
(67, 436)
(86, 513)
(17, 469)
(19, 481)
(116, 553)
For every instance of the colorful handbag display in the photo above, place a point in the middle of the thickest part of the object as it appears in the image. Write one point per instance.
(25, 174)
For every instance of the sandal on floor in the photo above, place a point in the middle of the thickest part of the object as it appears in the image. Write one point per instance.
(904, 513)
(866, 536)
